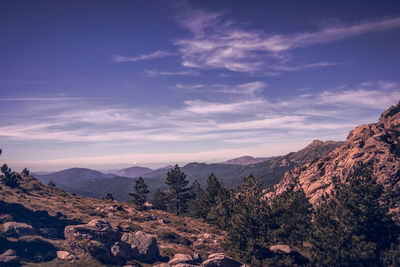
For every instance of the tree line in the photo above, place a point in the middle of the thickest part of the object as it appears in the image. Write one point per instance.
(350, 226)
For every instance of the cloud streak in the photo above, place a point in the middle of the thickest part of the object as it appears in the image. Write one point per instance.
(217, 42)
(154, 55)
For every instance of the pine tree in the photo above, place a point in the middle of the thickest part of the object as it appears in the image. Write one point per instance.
(290, 214)
(25, 171)
(249, 223)
(140, 193)
(10, 178)
(159, 200)
(51, 184)
(109, 197)
(195, 207)
(178, 192)
(351, 226)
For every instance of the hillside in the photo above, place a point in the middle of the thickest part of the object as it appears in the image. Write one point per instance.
(70, 177)
(50, 210)
(132, 172)
(245, 160)
(375, 144)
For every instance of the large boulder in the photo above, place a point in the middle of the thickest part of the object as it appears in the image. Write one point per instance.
(94, 239)
(9, 258)
(65, 255)
(221, 260)
(146, 245)
(124, 251)
(18, 229)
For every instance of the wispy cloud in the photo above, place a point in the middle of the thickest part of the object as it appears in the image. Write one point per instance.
(189, 86)
(217, 42)
(41, 99)
(154, 55)
(237, 119)
(244, 89)
(171, 73)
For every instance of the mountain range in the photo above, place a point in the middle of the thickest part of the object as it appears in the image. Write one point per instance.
(93, 183)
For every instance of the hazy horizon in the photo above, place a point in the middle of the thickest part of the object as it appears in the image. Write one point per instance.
(116, 84)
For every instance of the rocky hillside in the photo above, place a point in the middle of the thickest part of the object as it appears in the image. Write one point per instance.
(375, 144)
(46, 225)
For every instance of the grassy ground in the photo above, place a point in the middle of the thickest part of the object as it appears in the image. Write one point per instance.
(46, 207)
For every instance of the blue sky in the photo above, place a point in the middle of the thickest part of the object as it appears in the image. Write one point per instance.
(109, 84)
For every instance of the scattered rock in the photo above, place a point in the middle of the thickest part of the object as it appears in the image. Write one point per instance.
(162, 265)
(284, 249)
(124, 251)
(9, 258)
(181, 258)
(93, 239)
(65, 255)
(221, 260)
(18, 229)
(145, 243)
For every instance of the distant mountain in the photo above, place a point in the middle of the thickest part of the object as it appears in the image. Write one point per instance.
(270, 171)
(71, 177)
(245, 160)
(375, 144)
(132, 172)
(119, 187)
(93, 183)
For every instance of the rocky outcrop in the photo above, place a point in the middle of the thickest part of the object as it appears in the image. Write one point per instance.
(18, 229)
(9, 258)
(185, 259)
(99, 240)
(376, 144)
(65, 255)
(221, 260)
(146, 245)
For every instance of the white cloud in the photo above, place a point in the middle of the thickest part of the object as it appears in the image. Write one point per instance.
(171, 73)
(154, 55)
(219, 43)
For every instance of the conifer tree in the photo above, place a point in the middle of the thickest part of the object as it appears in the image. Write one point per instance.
(195, 205)
(25, 171)
(52, 184)
(178, 193)
(140, 193)
(351, 226)
(159, 200)
(249, 223)
(290, 214)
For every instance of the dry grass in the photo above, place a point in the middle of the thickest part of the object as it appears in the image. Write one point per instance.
(63, 207)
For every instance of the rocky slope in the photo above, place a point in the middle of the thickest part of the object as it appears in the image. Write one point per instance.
(46, 225)
(375, 144)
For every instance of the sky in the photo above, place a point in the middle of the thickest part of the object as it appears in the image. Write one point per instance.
(113, 84)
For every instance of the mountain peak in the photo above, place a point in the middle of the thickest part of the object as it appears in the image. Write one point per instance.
(375, 144)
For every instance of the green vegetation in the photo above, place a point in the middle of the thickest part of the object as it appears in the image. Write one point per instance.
(140, 193)
(178, 193)
(352, 226)
(51, 184)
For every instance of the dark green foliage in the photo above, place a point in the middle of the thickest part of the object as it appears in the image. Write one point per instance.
(109, 197)
(159, 200)
(25, 171)
(246, 235)
(195, 205)
(178, 193)
(9, 178)
(351, 226)
(290, 216)
(51, 184)
(215, 205)
(140, 193)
